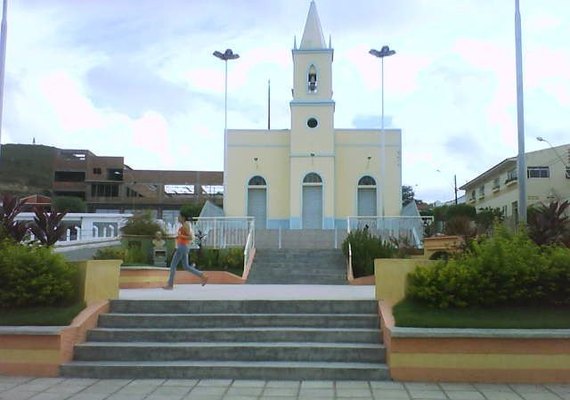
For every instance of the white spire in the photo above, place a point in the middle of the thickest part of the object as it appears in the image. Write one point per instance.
(313, 35)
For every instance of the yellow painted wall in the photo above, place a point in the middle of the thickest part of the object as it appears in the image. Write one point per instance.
(353, 147)
(99, 279)
(391, 276)
(271, 148)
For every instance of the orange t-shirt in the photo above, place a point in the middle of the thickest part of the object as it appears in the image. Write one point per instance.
(183, 236)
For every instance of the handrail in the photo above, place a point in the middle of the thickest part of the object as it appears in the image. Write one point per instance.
(249, 250)
(349, 274)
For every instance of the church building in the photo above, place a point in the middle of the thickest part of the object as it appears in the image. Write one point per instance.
(312, 176)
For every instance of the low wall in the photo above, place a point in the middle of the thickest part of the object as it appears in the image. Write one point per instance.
(99, 279)
(475, 355)
(39, 351)
(155, 277)
(391, 275)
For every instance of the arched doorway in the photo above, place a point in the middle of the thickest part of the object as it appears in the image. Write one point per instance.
(257, 201)
(367, 198)
(312, 201)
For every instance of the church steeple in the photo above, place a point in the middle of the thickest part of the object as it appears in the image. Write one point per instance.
(313, 37)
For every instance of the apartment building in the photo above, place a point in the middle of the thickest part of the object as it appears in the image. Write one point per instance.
(547, 178)
(105, 183)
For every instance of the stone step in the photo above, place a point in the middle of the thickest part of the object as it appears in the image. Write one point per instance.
(245, 306)
(274, 279)
(274, 370)
(338, 335)
(227, 351)
(115, 320)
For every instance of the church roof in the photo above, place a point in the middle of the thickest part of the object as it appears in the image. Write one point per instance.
(313, 35)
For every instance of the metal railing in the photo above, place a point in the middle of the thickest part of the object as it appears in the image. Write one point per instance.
(223, 232)
(249, 249)
(400, 228)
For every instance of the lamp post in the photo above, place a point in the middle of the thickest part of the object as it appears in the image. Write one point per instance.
(384, 52)
(541, 139)
(225, 56)
(3, 32)
(521, 161)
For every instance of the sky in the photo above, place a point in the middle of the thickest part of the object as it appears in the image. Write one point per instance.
(137, 78)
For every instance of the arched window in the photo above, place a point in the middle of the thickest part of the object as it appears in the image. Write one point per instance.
(367, 181)
(257, 181)
(312, 178)
(312, 79)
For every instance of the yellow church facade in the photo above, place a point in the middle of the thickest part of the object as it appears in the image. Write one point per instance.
(312, 176)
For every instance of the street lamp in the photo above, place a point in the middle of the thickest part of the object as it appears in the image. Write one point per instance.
(384, 52)
(541, 139)
(225, 56)
(521, 161)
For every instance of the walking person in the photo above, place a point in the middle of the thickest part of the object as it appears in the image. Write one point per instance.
(184, 236)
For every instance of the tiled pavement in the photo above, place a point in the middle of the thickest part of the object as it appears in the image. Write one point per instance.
(22, 388)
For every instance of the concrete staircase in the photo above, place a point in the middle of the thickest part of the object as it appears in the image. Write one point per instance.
(299, 238)
(261, 339)
(298, 266)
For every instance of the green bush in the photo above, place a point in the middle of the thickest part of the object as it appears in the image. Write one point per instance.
(230, 259)
(110, 253)
(142, 224)
(505, 269)
(365, 248)
(69, 204)
(34, 276)
(135, 255)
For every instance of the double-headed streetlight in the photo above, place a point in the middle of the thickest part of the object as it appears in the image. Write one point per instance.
(225, 56)
(384, 52)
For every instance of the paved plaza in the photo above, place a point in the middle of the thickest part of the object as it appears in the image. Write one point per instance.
(14, 388)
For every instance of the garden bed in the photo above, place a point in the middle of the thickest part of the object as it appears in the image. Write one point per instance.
(475, 355)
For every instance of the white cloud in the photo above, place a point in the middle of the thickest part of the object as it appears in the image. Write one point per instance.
(141, 82)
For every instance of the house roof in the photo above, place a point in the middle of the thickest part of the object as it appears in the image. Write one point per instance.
(507, 162)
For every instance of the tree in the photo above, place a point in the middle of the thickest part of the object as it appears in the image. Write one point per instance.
(407, 195)
(191, 210)
(69, 204)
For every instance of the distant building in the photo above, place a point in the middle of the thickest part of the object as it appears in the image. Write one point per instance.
(105, 183)
(312, 176)
(547, 179)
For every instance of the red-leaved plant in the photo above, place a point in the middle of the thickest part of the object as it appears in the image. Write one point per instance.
(47, 226)
(11, 207)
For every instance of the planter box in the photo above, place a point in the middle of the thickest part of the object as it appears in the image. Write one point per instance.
(39, 350)
(475, 355)
(443, 244)
(99, 279)
(391, 275)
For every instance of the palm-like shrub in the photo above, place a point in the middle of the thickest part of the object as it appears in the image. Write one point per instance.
(549, 224)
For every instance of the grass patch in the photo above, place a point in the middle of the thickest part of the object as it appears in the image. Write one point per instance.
(411, 314)
(41, 316)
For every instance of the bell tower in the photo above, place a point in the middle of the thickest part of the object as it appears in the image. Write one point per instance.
(312, 144)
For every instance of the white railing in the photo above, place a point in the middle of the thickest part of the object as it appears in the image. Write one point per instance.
(86, 227)
(249, 249)
(223, 232)
(406, 228)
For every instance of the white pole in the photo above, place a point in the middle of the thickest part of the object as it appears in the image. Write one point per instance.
(521, 162)
(383, 146)
(226, 127)
(3, 32)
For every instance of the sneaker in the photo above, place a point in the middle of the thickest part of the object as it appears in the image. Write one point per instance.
(204, 280)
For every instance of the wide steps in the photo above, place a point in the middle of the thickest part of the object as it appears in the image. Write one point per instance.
(274, 370)
(298, 266)
(233, 320)
(241, 339)
(260, 334)
(329, 352)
